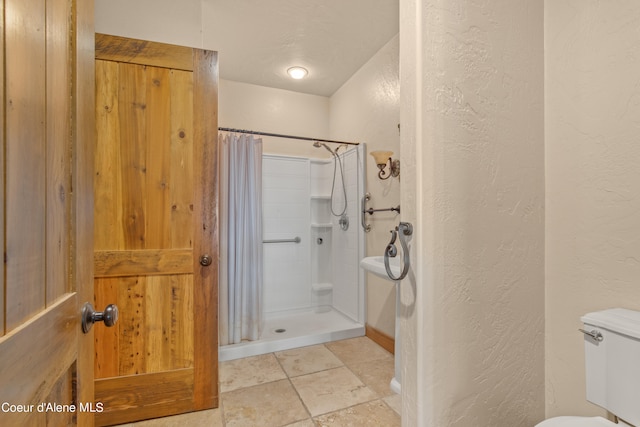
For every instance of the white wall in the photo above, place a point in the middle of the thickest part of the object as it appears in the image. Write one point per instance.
(472, 142)
(247, 106)
(166, 21)
(367, 109)
(592, 116)
(286, 215)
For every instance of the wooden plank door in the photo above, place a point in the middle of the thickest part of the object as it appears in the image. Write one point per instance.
(155, 217)
(46, 170)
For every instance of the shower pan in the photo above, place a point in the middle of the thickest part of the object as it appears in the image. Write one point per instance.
(313, 286)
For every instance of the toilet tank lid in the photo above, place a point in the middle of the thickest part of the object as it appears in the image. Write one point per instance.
(620, 320)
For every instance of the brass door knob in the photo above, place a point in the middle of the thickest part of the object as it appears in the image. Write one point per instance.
(206, 260)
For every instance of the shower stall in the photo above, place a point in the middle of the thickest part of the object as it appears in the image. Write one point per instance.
(312, 243)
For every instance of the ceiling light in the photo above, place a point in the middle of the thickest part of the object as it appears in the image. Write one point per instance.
(297, 72)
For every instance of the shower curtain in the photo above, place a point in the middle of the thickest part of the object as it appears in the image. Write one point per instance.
(240, 238)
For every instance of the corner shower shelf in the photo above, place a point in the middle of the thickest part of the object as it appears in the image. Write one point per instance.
(320, 197)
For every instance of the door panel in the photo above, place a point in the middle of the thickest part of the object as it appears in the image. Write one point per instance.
(47, 210)
(154, 217)
(158, 336)
(57, 168)
(25, 167)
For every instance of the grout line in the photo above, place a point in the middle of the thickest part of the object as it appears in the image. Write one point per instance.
(295, 389)
(223, 418)
(379, 397)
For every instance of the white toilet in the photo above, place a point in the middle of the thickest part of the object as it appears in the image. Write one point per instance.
(612, 362)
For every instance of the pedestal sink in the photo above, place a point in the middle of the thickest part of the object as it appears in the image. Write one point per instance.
(375, 265)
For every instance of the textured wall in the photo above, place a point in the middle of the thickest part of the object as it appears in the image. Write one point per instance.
(367, 109)
(166, 21)
(592, 116)
(247, 106)
(473, 316)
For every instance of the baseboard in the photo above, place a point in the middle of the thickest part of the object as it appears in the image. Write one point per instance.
(380, 338)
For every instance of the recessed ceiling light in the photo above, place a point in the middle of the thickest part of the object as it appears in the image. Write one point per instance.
(297, 72)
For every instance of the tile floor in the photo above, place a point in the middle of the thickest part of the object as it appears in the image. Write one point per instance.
(343, 383)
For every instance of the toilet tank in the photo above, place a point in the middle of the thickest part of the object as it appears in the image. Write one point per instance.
(613, 364)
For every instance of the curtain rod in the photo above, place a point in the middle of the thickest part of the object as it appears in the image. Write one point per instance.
(304, 138)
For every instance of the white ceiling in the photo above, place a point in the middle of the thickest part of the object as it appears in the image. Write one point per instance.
(258, 40)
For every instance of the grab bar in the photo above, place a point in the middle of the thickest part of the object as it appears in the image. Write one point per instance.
(365, 199)
(294, 240)
(370, 211)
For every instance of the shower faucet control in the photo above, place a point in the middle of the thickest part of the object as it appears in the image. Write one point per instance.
(344, 222)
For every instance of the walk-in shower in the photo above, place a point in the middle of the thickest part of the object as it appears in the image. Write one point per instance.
(313, 288)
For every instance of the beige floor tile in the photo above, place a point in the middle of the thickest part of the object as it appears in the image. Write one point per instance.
(376, 374)
(249, 371)
(370, 414)
(208, 418)
(265, 405)
(330, 390)
(305, 423)
(357, 350)
(395, 402)
(307, 360)
(257, 393)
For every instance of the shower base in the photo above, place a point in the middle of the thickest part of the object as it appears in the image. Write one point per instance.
(284, 331)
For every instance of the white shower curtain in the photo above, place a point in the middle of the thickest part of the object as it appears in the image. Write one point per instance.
(240, 238)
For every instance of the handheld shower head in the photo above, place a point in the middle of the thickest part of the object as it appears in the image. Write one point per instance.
(319, 144)
(344, 221)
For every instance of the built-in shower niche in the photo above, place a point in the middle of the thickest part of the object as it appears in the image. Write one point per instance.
(321, 236)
